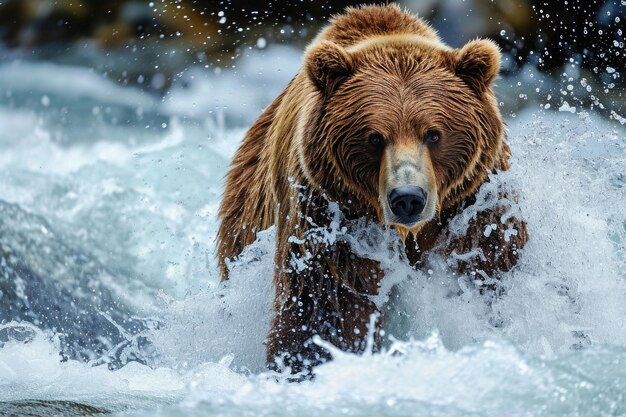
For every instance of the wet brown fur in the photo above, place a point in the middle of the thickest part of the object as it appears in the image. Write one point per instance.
(373, 69)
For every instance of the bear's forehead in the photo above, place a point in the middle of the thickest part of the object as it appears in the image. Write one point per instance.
(398, 104)
(402, 88)
(407, 87)
(406, 53)
(406, 71)
(408, 77)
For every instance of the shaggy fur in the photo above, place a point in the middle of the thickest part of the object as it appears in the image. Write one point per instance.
(373, 70)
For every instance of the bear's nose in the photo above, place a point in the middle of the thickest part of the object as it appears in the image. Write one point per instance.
(407, 203)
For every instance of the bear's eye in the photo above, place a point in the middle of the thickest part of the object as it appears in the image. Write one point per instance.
(376, 139)
(432, 136)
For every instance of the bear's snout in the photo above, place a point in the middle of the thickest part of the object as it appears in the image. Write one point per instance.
(407, 203)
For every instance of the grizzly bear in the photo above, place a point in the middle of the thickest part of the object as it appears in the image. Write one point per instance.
(385, 123)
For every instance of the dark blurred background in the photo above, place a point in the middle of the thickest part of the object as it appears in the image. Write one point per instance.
(546, 35)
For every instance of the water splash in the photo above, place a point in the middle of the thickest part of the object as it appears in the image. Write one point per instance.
(139, 211)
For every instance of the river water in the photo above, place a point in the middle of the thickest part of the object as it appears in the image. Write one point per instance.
(109, 295)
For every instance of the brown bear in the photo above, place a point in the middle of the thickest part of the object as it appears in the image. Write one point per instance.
(390, 125)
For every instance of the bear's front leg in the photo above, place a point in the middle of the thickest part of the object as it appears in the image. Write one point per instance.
(320, 291)
(491, 242)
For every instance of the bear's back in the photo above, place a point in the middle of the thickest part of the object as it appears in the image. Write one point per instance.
(360, 23)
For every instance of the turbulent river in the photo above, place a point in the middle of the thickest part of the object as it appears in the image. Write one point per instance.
(109, 294)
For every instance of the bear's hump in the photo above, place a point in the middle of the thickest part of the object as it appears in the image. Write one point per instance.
(357, 24)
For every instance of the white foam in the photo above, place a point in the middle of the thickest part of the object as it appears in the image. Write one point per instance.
(232, 319)
(32, 369)
(492, 378)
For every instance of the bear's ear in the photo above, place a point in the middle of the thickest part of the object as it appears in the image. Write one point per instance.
(478, 64)
(327, 64)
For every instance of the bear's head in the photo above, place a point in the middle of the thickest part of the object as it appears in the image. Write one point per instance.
(403, 122)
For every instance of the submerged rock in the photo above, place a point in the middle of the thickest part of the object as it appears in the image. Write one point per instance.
(46, 281)
(35, 408)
